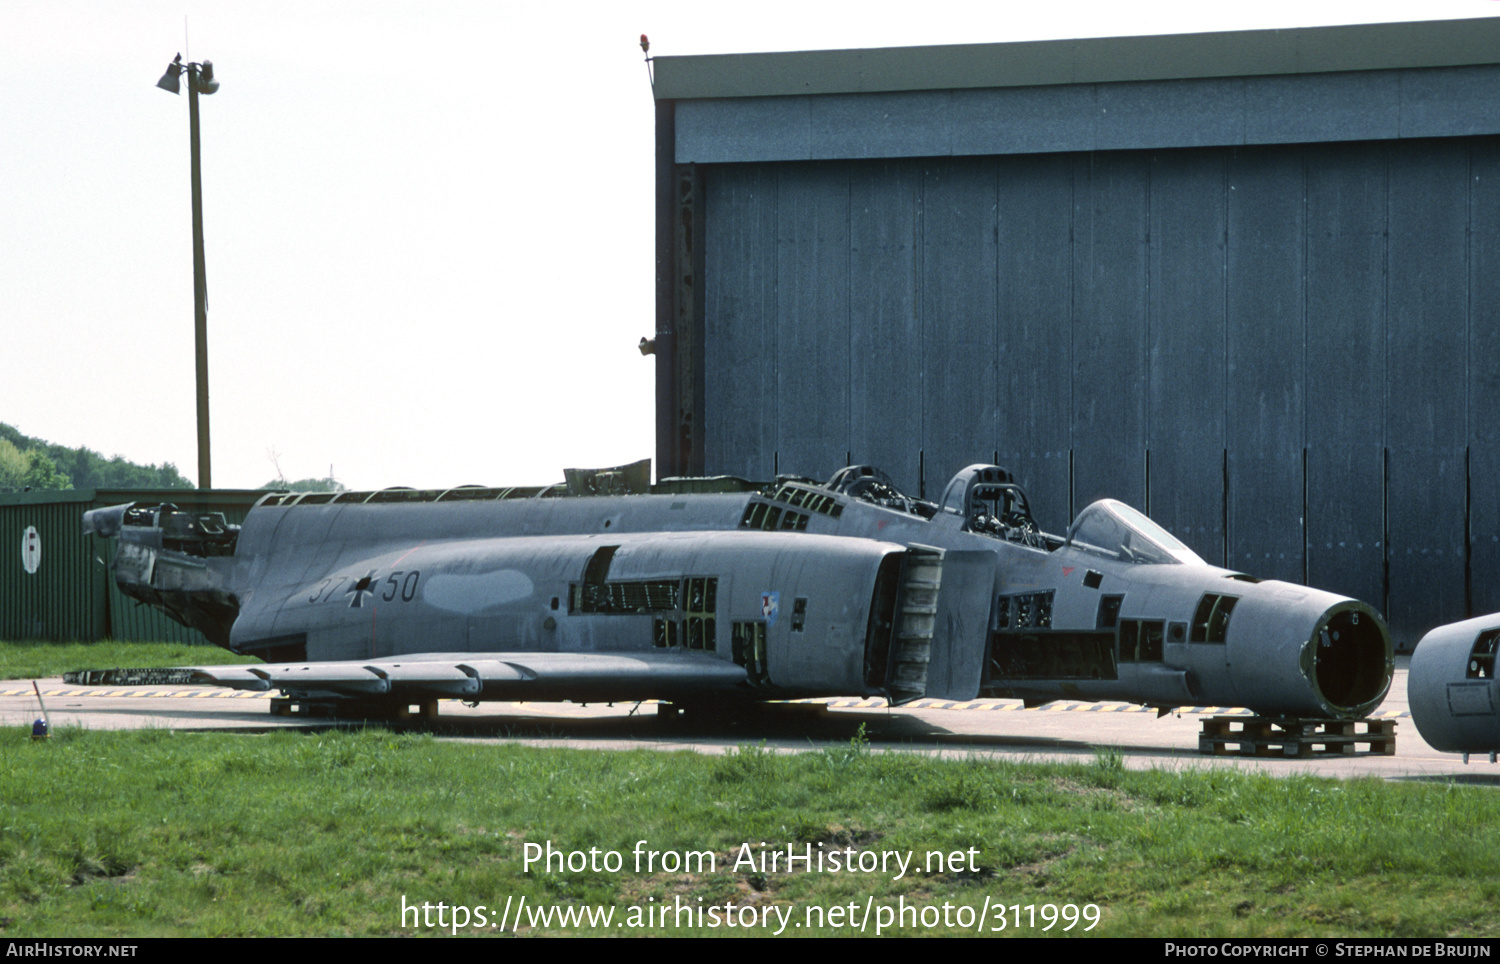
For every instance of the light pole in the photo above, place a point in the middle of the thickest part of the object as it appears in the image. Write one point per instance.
(200, 80)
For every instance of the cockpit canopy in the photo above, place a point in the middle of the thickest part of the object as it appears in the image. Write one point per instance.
(1116, 531)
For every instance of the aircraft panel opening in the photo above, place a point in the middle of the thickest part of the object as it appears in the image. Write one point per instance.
(1350, 657)
(1141, 640)
(1109, 611)
(1030, 610)
(1211, 622)
(1482, 656)
(1052, 655)
(748, 649)
(882, 621)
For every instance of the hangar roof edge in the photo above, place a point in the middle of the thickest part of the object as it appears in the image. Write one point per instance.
(1298, 50)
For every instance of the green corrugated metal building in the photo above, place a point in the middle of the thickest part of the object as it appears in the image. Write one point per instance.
(55, 582)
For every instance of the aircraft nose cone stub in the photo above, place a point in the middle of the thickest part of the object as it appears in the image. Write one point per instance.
(1351, 659)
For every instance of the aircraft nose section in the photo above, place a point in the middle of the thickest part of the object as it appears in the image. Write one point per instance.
(1304, 652)
(1452, 686)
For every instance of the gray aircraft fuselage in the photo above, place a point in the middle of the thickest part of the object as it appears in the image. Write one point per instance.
(1452, 688)
(793, 589)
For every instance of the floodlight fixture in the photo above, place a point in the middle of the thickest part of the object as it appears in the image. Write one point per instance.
(204, 77)
(169, 81)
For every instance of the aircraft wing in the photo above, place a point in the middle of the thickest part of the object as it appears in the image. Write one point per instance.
(493, 676)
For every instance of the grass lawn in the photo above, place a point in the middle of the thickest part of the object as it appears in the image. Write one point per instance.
(370, 832)
(153, 832)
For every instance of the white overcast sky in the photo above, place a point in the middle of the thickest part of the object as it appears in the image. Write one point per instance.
(429, 225)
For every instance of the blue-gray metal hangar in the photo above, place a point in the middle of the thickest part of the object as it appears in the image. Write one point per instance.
(1248, 282)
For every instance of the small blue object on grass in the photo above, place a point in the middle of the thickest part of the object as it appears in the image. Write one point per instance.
(39, 730)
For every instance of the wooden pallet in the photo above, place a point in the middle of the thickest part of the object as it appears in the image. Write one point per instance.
(1282, 737)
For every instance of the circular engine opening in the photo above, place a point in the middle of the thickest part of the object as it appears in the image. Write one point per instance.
(1353, 659)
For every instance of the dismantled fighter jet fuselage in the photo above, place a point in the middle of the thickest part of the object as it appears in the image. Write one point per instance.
(710, 591)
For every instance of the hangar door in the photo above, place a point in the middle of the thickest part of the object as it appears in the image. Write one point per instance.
(1287, 355)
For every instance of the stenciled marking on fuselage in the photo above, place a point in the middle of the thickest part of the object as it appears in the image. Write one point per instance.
(399, 584)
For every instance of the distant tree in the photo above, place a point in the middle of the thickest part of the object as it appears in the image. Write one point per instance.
(306, 485)
(58, 466)
(31, 469)
(12, 465)
(41, 473)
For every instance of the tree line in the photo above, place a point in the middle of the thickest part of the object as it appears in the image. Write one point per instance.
(33, 463)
